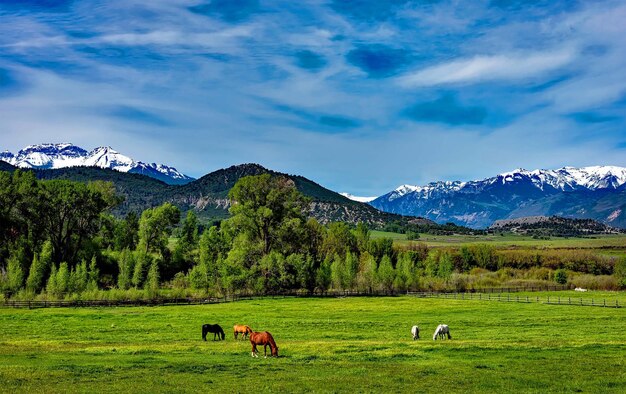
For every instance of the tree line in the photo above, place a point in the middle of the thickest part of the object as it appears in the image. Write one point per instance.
(59, 239)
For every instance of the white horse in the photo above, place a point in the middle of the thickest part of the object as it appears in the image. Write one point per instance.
(415, 331)
(441, 331)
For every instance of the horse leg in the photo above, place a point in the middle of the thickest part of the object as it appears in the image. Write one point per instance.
(265, 350)
(254, 351)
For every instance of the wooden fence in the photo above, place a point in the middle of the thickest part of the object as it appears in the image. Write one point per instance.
(496, 294)
(508, 297)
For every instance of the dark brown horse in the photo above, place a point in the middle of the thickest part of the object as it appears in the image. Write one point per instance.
(215, 329)
(265, 339)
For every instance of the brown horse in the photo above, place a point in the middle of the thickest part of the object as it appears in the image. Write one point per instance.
(265, 339)
(242, 329)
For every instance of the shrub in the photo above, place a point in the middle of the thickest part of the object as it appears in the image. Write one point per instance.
(560, 276)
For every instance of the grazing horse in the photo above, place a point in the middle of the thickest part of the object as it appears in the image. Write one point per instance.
(241, 329)
(213, 328)
(265, 339)
(441, 331)
(415, 331)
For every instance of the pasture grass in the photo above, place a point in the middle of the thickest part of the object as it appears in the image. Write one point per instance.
(609, 241)
(326, 345)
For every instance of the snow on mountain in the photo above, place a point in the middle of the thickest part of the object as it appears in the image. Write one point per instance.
(357, 198)
(509, 195)
(52, 156)
(564, 179)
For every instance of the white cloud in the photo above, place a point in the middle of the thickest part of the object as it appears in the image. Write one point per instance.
(489, 68)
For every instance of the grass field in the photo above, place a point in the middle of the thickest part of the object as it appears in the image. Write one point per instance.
(326, 345)
(512, 241)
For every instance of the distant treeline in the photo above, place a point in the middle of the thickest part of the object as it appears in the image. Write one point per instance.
(59, 240)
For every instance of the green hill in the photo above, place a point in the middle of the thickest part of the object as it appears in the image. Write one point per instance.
(208, 195)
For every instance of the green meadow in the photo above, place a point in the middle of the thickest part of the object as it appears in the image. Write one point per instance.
(607, 242)
(326, 345)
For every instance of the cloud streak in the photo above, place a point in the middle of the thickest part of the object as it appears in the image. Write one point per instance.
(480, 69)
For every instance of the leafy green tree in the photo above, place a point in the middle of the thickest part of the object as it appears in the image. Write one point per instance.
(153, 280)
(198, 277)
(366, 278)
(406, 271)
(362, 235)
(213, 247)
(189, 231)
(386, 273)
(142, 261)
(351, 270)
(445, 266)
(126, 264)
(263, 204)
(305, 270)
(155, 227)
(380, 247)
(69, 213)
(338, 272)
(323, 277)
(18, 211)
(126, 233)
(339, 240)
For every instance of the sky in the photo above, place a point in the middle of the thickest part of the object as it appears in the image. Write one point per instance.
(359, 96)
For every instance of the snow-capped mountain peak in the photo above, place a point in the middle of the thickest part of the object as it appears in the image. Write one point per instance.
(52, 156)
(518, 192)
(357, 198)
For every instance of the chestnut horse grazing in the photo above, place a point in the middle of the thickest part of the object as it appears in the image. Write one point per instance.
(241, 329)
(265, 339)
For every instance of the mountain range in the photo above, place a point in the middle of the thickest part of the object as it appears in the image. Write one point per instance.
(208, 195)
(55, 156)
(597, 193)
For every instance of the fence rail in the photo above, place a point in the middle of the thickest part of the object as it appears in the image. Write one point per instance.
(495, 294)
(501, 297)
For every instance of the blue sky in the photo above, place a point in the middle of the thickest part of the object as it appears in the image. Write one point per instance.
(360, 96)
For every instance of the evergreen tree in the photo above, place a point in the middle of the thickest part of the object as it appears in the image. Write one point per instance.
(63, 279)
(15, 274)
(93, 275)
(51, 286)
(39, 268)
(79, 278)
(35, 280)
